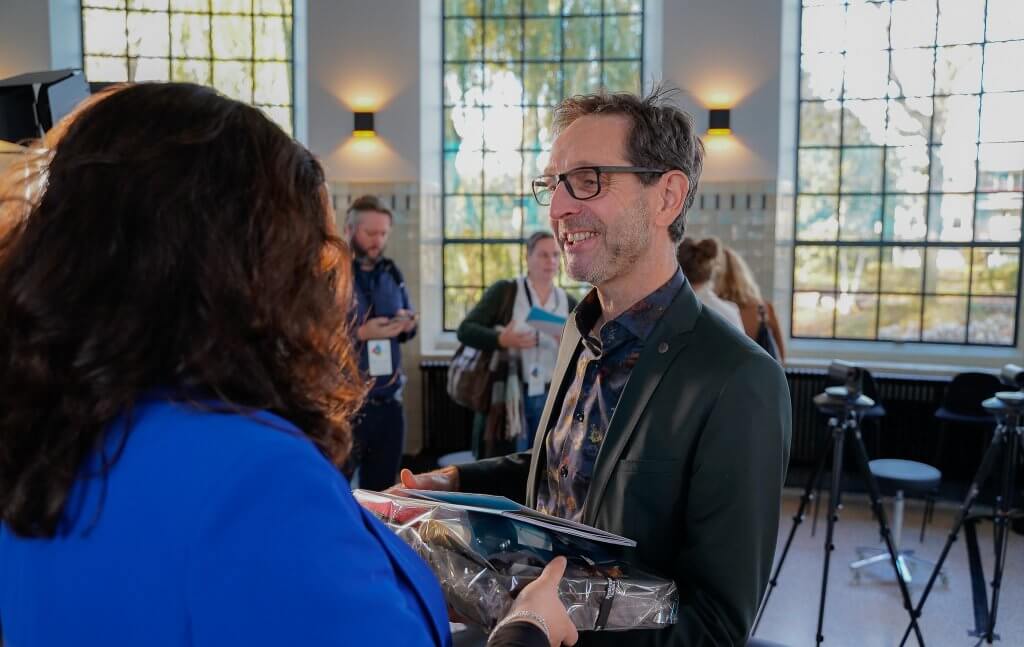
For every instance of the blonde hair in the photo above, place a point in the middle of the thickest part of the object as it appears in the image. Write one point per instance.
(736, 282)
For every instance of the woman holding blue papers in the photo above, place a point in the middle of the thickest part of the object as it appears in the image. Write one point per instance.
(522, 318)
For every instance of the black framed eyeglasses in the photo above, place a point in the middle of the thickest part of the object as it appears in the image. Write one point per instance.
(582, 183)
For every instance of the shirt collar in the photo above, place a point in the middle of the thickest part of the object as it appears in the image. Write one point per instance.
(638, 321)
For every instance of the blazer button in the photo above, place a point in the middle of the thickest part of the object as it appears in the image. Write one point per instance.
(663, 347)
(579, 417)
(564, 471)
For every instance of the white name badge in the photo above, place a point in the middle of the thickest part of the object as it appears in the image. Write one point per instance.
(534, 382)
(379, 352)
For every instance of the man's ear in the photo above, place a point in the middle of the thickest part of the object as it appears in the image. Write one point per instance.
(672, 189)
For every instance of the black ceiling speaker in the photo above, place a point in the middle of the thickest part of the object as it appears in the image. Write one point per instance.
(30, 104)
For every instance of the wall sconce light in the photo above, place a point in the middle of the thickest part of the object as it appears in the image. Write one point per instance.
(718, 121)
(363, 126)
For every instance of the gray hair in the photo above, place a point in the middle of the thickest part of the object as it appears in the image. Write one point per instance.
(660, 136)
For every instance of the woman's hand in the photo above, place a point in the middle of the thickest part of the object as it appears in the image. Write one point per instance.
(513, 337)
(541, 597)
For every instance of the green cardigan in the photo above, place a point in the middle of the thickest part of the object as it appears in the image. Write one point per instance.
(477, 330)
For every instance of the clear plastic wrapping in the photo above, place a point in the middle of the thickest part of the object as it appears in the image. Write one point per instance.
(484, 559)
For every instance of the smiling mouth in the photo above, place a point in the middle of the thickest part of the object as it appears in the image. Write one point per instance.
(570, 239)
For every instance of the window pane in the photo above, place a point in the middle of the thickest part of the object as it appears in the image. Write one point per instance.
(867, 75)
(231, 6)
(463, 39)
(542, 7)
(463, 264)
(904, 218)
(148, 69)
(581, 7)
(191, 5)
(111, 4)
(537, 128)
(582, 78)
(913, 23)
(463, 171)
(951, 217)
(911, 74)
(622, 77)
(582, 37)
(273, 83)
(463, 217)
(232, 37)
(503, 7)
(819, 170)
(148, 34)
(992, 321)
(821, 76)
(502, 262)
(155, 5)
(623, 6)
(958, 69)
(457, 304)
(1001, 117)
(998, 217)
(502, 39)
(622, 36)
(858, 269)
(947, 270)
(956, 120)
(503, 217)
(542, 83)
(856, 315)
(815, 268)
(813, 314)
(906, 169)
(543, 39)
(462, 7)
(1001, 167)
(273, 38)
(902, 269)
(273, 7)
(867, 26)
(864, 122)
(1002, 66)
(819, 123)
(104, 33)
(860, 218)
(190, 36)
(961, 21)
(909, 122)
(102, 68)
(899, 318)
(995, 271)
(953, 167)
(862, 170)
(1005, 20)
(192, 71)
(463, 84)
(233, 79)
(281, 115)
(823, 29)
(945, 319)
(816, 218)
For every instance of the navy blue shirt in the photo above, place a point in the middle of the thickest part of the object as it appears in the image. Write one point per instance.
(381, 292)
(602, 368)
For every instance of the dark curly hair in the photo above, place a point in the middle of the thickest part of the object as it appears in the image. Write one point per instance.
(181, 243)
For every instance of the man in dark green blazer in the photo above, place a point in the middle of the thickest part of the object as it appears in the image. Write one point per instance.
(665, 423)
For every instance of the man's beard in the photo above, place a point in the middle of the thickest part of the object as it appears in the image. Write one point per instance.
(360, 252)
(624, 244)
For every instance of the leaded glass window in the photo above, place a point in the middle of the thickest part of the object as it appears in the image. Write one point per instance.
(910, 171)
(241, 47)
(507, 63)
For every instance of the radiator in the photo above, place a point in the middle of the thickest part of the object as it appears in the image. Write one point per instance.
(907, 431)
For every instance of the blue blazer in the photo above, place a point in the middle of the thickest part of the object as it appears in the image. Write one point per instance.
(216, 529)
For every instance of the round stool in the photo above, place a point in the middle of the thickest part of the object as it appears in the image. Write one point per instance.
(900, 475)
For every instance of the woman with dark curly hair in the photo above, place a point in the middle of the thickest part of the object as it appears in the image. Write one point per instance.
(176, 381)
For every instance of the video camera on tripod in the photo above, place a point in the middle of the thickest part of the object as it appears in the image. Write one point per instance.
(847, 396)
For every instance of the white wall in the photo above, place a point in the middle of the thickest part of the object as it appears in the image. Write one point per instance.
(365, 56)
(24, 37)
(725, 54)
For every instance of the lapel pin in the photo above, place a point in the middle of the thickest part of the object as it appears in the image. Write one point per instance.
(663, 347)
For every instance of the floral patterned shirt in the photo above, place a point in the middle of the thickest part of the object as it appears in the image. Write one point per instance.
(602, 369)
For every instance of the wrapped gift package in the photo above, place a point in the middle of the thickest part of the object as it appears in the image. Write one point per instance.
(484, 553)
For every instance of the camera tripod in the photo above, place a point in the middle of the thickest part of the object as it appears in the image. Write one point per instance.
(1008, 407)
(844, 408)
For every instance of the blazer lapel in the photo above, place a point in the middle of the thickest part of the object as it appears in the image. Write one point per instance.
(668, 338)
(567, 351)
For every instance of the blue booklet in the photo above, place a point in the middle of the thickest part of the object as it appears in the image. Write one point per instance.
(508, 508)
(546, 322)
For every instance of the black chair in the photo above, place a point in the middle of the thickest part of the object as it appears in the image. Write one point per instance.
(961, 405)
